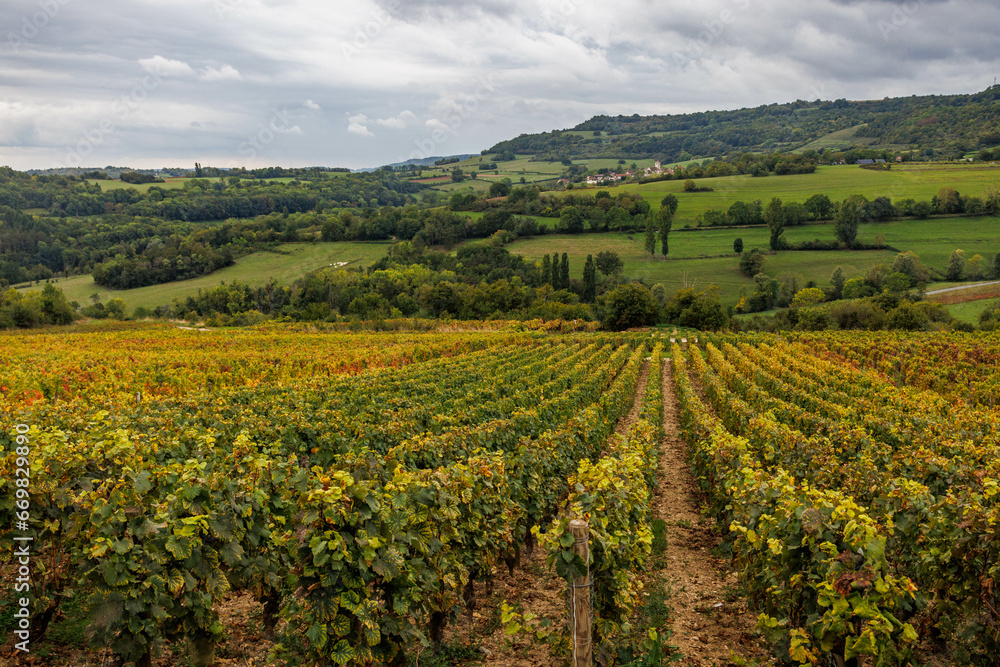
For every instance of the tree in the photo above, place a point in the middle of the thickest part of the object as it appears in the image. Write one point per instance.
(849, 218)
(741, 213)
(697, 310)
(589, 280)
(810, 296)
(906, 317)
(650, 240)
(690, 186)
(555, 279)
(500, 188)
(608, 262)
(564, 272)
(820, 207)
(956, 265)
(880, 209)
(55, 308)
(659, 293)
(665, 218)
(948, 201)
(974, 267)
(909, 264)
(775, 219)
(571, 220)
(838, 281)
(996, 267)
(115, 309)
(546, 269)
(671, 203)
(457, 175)
(751, 262)
(616, 218)
(630, 305)
(738, 246)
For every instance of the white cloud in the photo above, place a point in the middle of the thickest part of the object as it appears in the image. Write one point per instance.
(165, 67)
(358, 125)
(309, 104)
(161, 66)
(225, 73)
(404, 119)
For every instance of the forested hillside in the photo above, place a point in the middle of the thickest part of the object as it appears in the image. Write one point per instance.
(949, 124)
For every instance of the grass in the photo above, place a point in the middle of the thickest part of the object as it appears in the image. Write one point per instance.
(168, 184)
(838, 140)
(919, 181)
(287, 265)
(704, 256)
(934, 240)
(970, 310)
(174, 183)
(687, 269)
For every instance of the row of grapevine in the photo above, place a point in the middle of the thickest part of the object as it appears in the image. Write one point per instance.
(361, 510)
(860, 509)
(612, 494)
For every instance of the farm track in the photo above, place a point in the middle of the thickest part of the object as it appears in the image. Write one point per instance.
(710, 621)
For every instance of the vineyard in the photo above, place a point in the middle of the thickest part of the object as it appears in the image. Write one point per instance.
(366, 491)
(865, 509)
(359, 487)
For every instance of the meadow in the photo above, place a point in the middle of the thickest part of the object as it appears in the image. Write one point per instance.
(289, 263)
(917, 181)
(704, 257)
(695, 270)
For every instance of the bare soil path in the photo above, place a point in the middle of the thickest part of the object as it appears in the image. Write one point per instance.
(711, 621)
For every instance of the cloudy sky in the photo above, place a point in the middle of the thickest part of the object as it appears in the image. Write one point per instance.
(362, 83)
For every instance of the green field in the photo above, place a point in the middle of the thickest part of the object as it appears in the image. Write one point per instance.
(287, 265)
(168, 184)
(919, 181)
(970, 310)
(679, 271)
(177, 183)
(838, 140)
(705, 256)
(934, 240)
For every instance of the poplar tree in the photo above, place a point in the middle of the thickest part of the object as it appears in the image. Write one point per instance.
(589, 280)
(650, 242)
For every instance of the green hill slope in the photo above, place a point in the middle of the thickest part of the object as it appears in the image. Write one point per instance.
(952, 124)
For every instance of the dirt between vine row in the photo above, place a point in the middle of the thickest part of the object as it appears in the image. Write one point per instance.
(711, 622)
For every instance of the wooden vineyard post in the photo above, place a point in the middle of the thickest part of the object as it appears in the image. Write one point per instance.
(579, 598)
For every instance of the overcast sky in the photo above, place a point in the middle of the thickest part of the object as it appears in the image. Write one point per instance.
(368, 82)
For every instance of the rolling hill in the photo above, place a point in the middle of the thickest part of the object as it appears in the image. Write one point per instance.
(951, 125)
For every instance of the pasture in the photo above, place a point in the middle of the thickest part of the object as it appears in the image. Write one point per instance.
(289, 263)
